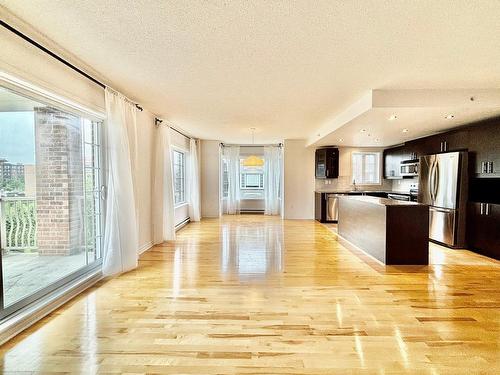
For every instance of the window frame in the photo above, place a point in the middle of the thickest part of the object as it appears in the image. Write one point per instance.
(91, 268)
(183, 153)
(378, 155)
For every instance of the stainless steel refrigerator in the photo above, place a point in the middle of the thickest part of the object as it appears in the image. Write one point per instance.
(443, 186)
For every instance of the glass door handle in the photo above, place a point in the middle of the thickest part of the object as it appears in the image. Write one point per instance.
(103, 192)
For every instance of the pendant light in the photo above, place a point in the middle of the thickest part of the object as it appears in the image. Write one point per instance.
(253, 160)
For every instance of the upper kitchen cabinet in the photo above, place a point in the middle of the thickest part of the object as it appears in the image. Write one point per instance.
(484, 149)
(327, 162)
(392, 162)
(444, 142)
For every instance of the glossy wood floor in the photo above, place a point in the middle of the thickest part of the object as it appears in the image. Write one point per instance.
(257, 295)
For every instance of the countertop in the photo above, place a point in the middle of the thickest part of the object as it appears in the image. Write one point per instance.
(383, 201)
(362, 192)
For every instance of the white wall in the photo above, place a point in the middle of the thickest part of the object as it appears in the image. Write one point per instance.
(210, 184)
(29, 63)
(145, 144)
(298, 189)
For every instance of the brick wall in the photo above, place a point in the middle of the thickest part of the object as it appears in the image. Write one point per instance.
(59, 182)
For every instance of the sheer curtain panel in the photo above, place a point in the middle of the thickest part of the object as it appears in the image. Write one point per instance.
(194, 180)
(163, 188)
(231, 155)
(272, 179)
(120, 236)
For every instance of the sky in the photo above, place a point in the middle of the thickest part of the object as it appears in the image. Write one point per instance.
(17, 140)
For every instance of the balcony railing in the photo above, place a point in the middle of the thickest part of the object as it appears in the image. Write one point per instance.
(18, 224)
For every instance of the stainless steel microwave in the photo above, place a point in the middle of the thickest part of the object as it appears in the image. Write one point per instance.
(409, 168)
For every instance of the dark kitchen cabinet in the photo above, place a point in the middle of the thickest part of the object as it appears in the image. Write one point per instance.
(327, 162)
(443, 142)
(320, 207)
(483, 228)
(392, 162)
(484, 149)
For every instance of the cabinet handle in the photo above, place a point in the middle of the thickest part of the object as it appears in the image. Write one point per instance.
(490, 167)
(484, 167)
(481, 208)
(487, 209)
(445, 146)
(441, 147)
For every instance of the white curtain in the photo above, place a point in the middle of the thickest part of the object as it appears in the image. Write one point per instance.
(194, 180)
(272, 179)
(120, 237)
(163, 188)
(231, 155)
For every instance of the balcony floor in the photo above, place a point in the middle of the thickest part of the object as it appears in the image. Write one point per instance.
(25, 273)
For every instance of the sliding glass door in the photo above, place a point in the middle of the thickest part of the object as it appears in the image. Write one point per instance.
(50, 198)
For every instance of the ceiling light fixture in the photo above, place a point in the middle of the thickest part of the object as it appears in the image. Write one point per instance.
(449, 117)
(405, 130)
(253, 160)
(341, 139)
(363, 130)
(393, 117)
(377, 140)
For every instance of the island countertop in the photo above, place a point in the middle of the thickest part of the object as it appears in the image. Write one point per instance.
(392, 231)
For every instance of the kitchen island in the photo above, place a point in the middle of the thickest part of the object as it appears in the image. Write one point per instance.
(394, 232)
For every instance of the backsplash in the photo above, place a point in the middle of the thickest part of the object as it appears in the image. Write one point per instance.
(405, 184)
(344, 183)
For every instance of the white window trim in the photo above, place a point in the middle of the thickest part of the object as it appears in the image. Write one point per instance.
(186, 154)
(380, 167)
(39, 93)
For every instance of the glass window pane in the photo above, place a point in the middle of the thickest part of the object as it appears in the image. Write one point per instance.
(48, 165)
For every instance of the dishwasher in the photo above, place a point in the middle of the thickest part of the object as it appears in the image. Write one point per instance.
(332, 207)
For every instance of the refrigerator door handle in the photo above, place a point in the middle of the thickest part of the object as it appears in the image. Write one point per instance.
(430, 182)
(436, 179)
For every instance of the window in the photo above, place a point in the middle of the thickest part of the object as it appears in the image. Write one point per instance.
(50, 198)
(366, 168)
(252, 180)
(179, 177)
(225, 179)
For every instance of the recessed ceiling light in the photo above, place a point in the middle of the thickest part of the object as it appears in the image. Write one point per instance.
(341, 139)
(377, 140)
(449, 117)
(363, 130)
(393, 117)
(405, 130)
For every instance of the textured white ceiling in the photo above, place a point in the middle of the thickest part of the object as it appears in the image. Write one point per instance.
(217, 68)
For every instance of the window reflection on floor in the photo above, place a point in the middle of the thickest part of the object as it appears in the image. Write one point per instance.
(251, 250)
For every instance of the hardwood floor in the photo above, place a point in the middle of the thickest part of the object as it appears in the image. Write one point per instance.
(257, 295)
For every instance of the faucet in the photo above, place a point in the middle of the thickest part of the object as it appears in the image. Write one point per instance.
(354, 187)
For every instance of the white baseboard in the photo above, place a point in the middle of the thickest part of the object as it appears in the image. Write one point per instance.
(145, 247)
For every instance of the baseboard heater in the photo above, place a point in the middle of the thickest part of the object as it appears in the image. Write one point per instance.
(182, 224)
(252, 212)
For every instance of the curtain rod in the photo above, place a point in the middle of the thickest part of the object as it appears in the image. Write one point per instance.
(57, 57)
(158, 122)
